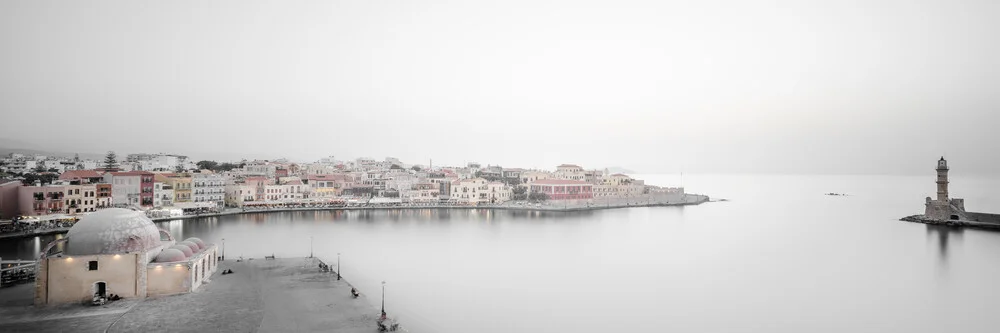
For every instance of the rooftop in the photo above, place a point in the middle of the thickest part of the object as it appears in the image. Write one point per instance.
(559, 182)
(76, 174)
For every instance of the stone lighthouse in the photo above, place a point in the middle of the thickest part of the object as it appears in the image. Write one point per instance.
(942, 180)
(944, 208)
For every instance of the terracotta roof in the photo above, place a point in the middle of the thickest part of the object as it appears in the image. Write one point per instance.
(568, 166)
(132, 173)
(76, 174)
(619, 175)
(559, 182)
(327, 177)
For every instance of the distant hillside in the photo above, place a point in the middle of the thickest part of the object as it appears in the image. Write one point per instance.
(6, 151)
(620, 170)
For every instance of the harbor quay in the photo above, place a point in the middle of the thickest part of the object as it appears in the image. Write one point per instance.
(261, 295)
(551, 206)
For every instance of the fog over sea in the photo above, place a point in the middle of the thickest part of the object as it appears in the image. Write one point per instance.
(779, 256)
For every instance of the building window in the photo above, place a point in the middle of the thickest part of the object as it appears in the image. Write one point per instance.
(92, 265)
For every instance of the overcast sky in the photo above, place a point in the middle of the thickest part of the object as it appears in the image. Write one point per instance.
(837, 86)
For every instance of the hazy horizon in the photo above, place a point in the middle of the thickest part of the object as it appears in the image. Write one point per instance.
(814, 87)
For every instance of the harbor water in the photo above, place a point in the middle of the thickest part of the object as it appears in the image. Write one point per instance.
(778, 256)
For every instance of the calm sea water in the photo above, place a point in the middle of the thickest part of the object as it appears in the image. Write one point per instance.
(778, 257)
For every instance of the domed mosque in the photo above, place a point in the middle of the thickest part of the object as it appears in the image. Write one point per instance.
(120, 251)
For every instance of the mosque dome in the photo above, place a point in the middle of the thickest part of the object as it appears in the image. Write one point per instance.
(198, 241)
(186, 250)
(111, 231)
(170, 255)
(194, 247)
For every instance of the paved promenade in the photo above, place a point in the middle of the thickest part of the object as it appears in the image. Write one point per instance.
(283, 295)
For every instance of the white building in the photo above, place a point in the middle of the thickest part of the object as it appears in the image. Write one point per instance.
(125, 188)
(470, 191)
(163, 195)
(498, 192)
(208, 187)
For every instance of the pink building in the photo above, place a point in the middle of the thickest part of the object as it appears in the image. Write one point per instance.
(41, 200)
(562, 189)
(9, 198)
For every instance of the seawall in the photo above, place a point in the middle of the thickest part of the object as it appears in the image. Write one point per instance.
(690, 199)
(550, 207)
(982, 224)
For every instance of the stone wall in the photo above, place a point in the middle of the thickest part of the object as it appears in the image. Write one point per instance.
(983, 217)
(69, 280)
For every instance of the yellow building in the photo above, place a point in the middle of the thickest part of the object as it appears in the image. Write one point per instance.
(120, 251)
(180, 182)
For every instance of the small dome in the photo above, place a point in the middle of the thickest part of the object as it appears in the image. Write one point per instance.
(194, 247)
(186, 250)
(170, 255)
(111, 231)
(201, 244)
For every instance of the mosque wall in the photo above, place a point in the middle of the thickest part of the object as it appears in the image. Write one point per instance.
(167, 279)
(181, 277)
(70, 279)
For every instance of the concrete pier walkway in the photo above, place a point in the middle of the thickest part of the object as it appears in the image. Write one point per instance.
(282, 295)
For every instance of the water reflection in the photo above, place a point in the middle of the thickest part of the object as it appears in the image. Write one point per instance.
(944, 233)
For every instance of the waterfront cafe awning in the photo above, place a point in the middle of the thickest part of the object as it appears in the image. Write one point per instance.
(194, 205)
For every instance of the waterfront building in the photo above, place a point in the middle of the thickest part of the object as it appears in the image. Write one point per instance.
(104, 197)
(257, 184)
(273, 192)
(239, 194)
(9, 198)
(470, 191)
(180, 183)
(131, 188)
(163, 194)
(120, 251)
(328, 185)
(422, 192)
(498, 192)
(563, 189)
(208, 187)
(41, 200)
(80, 198)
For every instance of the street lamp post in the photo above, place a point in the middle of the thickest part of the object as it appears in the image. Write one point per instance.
(338, 266)
(383, 299)
(310, 247)
(223, 249)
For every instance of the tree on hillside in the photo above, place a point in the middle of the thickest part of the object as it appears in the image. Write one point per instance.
(111, 161)
(207, 165)
(416, 168)
(39, 168)
(395, 167)
(179, 169)
(226, 166)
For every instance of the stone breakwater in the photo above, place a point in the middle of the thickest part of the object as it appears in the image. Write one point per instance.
(983, 224)
(690, 199)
